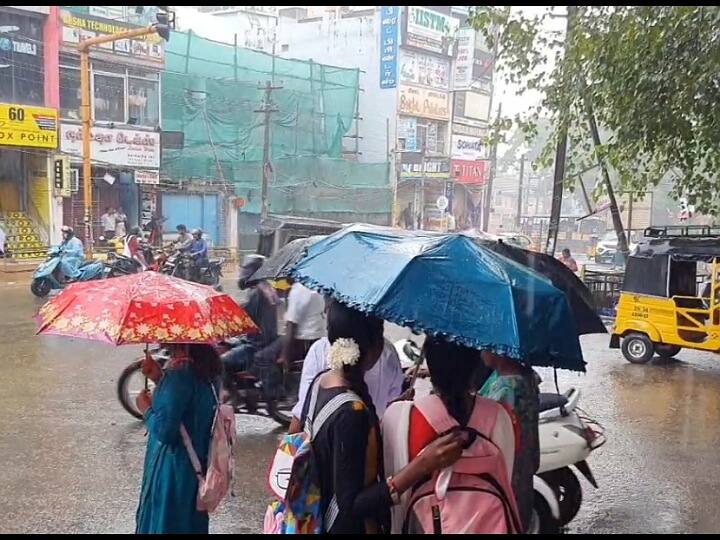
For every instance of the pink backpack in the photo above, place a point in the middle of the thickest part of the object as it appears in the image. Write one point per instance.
(473, 496)
(217, 482)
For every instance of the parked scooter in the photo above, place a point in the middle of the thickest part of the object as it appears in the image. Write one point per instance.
(567, 438)
(49, 274)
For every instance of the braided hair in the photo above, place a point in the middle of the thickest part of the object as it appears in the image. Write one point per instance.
(452, 369)
(345, 322)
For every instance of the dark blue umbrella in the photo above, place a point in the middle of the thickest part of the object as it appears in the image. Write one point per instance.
(446, 285)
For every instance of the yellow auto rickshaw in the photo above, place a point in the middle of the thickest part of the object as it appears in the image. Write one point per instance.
(670, 297)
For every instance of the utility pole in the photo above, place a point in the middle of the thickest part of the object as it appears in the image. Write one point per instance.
(267, 109)
(560, 153)
(488, 188)
(520, 192)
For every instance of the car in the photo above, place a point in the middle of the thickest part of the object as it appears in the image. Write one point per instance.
(607, 247)
(516, 239)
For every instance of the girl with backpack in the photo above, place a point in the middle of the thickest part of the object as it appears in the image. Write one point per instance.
(183, 396)
(474, 495)
(356, 496)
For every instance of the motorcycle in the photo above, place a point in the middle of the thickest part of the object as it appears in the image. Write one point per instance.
(247, 397)
(181, 265)
(121, 265)
(567, 438)
(49, 275)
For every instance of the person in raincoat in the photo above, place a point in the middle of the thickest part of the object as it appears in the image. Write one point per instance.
(72, 253)
(183, 396)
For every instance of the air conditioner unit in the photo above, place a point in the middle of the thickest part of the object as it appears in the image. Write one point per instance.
(74, 180)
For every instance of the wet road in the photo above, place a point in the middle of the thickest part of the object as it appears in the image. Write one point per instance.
(71, 456)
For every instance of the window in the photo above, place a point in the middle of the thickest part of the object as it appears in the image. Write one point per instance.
(120, 95)
(431, 136)
(21, 60)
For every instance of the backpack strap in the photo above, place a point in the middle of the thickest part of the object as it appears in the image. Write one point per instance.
(436, 414)
(191, 453)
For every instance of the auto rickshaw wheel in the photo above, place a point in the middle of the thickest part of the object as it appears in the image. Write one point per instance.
(667, 351)
(637, 348)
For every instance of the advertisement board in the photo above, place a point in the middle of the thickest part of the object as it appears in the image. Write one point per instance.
(121, 147)
(424, 102)
(28, 126)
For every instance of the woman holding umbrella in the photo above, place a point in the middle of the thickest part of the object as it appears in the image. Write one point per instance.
(185, 395)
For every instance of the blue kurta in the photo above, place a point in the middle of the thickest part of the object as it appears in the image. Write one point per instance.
(169, 487)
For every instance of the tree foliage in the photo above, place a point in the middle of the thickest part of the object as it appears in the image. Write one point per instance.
(651, 75)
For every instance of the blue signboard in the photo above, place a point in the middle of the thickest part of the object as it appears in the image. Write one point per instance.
(389, 46)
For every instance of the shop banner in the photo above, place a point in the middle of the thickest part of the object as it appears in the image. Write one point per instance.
(471, 172)
(425, 70)
(407, 130)
(465, 59)
(467, 148)
(147, 177)
(430, 168)
(430, 30)
(24, 125)
(121, 147)
(424, 103)
(80, 27)
(389, 46)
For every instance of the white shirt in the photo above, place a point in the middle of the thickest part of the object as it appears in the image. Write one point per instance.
(384, 379)
(108, 222)
(306, 309)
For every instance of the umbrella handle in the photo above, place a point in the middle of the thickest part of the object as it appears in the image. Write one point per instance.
(147, 354)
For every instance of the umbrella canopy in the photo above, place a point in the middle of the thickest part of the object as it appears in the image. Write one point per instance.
(147, 307)
(446, 285)
(579, 297)
(278, 265)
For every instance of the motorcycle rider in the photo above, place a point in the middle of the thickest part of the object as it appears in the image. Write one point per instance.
(72, 253)
(184, 239)
(198, 252)
(133, 248)
(257, 353)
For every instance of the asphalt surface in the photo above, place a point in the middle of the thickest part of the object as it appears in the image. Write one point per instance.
(72, 457)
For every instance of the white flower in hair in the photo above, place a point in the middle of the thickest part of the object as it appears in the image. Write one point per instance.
(344, 352)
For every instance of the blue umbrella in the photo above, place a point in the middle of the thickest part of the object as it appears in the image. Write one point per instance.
(446, 285)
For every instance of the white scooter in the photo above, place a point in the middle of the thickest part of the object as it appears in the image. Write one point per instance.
(567, 437)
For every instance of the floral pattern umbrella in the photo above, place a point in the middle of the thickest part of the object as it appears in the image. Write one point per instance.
(147, 307)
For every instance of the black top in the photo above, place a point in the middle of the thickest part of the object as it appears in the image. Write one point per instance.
(348, 450)
(264, 315)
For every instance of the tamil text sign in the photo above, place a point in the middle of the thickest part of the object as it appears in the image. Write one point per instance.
(424, 103)
(32, 127)
(121, 147)
(389, 46)
(465, 58)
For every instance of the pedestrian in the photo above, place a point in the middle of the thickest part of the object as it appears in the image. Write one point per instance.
(355, 495)
(568, 261)
(108, 221)
(120, 224)
(516, 386)
(183, 397)
(407, 217)
(452, 372)
(304, 323)
(384, 379)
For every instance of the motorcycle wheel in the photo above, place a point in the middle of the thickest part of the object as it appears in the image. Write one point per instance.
(567, 489)
(129, 385)
(41, 287)
(542, 520)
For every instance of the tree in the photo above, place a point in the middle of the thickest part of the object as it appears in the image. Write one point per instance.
(651, 75)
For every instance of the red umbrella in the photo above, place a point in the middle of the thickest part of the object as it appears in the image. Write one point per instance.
(147, 307)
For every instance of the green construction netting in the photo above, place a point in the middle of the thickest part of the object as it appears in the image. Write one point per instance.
(211, 92)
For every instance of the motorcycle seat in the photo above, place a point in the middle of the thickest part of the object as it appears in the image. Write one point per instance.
(551, 401)
(214, 261)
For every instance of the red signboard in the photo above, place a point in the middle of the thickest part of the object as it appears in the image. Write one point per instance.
(470, 172)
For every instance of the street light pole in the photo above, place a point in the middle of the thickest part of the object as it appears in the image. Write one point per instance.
(86, 113)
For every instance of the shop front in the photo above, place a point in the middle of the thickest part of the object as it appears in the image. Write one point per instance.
(125, 174)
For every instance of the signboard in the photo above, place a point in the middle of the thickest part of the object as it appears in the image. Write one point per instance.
(465, 58)
(467, 128)
(482, 66)
(424, 103)
(430, 168)
(24, 125)
(429, 30)
(80, 27)
(425, 70)
(61, 175)
(407, 133)
(473, 106)
(147, 177)
(467, 148)
(470, 172)
(389, 46)
(122, 147)
(442, 203)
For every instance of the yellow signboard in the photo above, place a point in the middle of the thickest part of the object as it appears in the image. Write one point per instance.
(26, 125)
